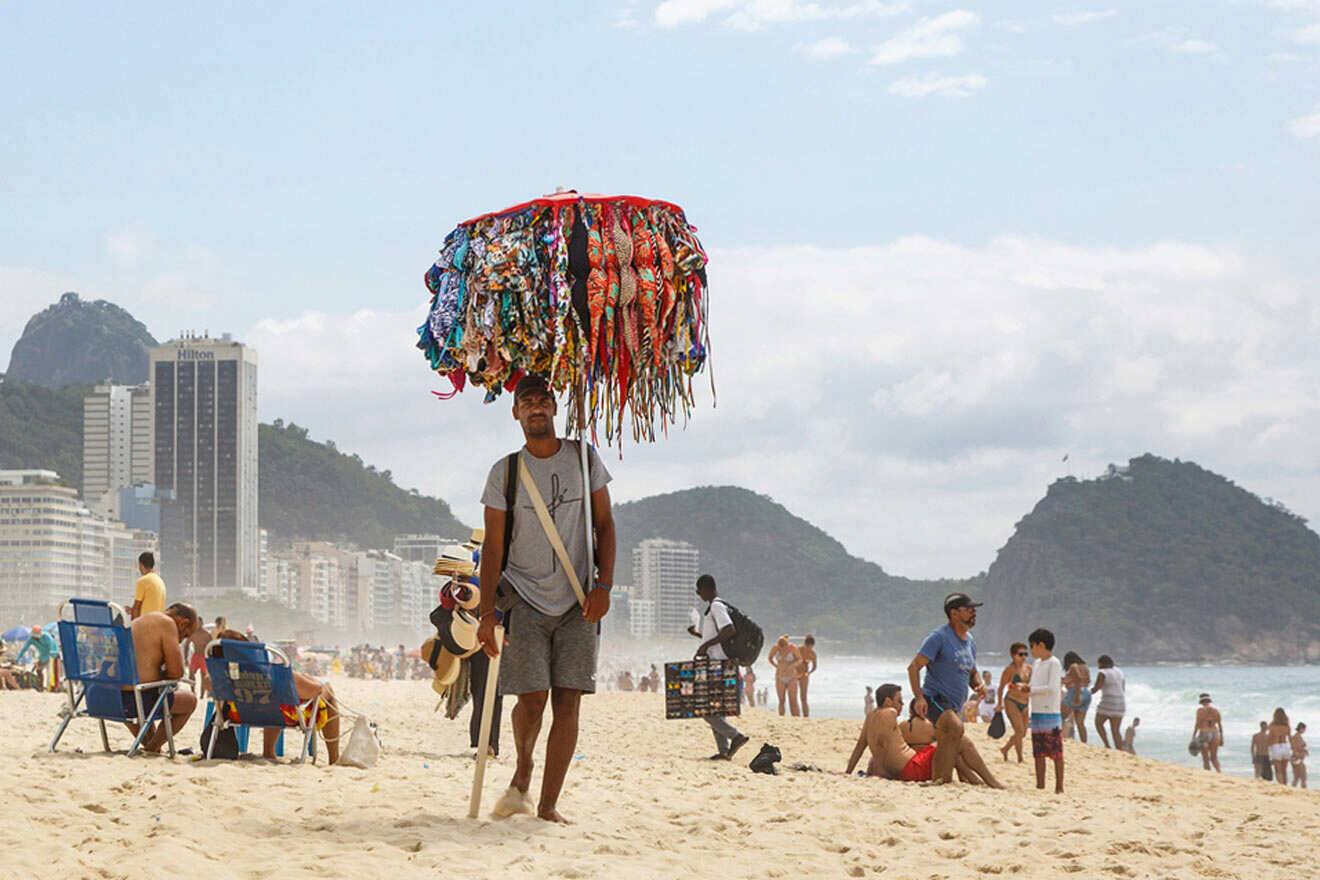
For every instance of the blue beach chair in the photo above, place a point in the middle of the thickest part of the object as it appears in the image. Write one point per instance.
(100, 673)
(253, 685)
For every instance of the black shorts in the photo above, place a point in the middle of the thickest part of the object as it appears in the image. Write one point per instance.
(149, 698)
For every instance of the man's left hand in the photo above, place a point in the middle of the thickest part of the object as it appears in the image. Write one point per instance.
(598, 604)
(701, 652)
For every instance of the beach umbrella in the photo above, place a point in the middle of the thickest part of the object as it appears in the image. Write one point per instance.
(17, 634)
(604, 296)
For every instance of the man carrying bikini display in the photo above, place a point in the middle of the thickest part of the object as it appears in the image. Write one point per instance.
(1208, 733)
(893, 758)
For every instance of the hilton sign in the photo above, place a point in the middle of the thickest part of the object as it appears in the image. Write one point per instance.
(192, 354)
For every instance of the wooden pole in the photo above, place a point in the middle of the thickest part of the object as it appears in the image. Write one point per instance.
(487, 713)
(586, 486)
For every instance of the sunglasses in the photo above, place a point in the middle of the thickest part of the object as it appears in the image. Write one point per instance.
(1020, 654)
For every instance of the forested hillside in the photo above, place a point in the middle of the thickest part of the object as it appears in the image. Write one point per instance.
(1160, 560)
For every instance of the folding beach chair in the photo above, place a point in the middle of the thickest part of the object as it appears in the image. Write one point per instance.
(100, 671)
(252, 684)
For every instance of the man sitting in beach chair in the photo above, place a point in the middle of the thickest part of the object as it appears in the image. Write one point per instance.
(255, 687)
(128, 674)
(893, 758)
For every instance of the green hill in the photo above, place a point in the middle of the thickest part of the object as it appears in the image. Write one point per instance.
(307, 489)
(1160, 560)
(311, 490)
(785, 573)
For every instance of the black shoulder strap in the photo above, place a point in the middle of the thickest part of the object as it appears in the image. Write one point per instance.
(510, 496)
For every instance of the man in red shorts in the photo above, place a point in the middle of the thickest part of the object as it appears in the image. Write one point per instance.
(893, 758)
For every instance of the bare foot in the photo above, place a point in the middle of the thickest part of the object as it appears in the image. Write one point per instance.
(552, 815)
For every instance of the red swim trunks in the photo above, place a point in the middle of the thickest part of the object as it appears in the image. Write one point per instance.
(918, 769)
(196, 662)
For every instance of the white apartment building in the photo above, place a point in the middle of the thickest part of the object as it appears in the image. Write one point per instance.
(421, 548)
(204, 399)
(53, 548)
(641, 617)
(117, 444)
(665, 574)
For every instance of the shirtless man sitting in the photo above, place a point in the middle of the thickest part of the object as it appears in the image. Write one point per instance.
(156, 639)
(893, 758)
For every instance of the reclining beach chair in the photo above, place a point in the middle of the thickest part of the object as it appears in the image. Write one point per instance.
(252, 684)
(100, 671)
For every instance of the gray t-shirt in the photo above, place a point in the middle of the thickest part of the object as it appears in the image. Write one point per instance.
(532, 567)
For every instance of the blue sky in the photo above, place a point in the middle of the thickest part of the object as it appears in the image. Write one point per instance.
(973, 200)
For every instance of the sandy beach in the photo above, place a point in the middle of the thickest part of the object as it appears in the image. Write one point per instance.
(646, 801)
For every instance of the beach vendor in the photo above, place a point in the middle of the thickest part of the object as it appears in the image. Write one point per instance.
(47, 650)
(551, 646)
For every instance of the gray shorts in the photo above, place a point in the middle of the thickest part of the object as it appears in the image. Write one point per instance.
(548, 652)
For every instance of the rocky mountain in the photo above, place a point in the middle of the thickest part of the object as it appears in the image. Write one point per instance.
(785, 573)
(76, 341)
(1159, 560)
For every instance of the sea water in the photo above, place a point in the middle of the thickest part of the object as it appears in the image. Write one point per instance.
(1163, 697)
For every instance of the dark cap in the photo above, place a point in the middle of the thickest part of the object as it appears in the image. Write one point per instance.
(1204, 698)
(959, 600)
(531, 383)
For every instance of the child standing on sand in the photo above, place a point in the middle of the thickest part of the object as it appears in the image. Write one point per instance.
(1046, 721)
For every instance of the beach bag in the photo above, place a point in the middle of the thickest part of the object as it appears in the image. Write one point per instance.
(747, 640)
(765, 760)
(996, 725)
(226, 747)
(363, 749)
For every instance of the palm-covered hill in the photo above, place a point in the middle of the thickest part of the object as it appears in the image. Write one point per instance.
(1160, 560)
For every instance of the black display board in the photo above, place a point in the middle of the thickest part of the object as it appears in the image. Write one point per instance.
(702, 688)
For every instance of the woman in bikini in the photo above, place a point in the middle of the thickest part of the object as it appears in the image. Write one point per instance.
(1077, 697)
(1016, 672)
(786, 660)
(1280, 751)
(917, 730)
(1299, 753)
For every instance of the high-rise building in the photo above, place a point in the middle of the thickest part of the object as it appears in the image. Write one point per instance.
(117, 444)
(53, 548)
(665, 573)
(204, 395)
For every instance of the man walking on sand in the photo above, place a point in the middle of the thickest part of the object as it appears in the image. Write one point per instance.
(716, 629)
(551, 644)
(1208, 733)
(949, 657)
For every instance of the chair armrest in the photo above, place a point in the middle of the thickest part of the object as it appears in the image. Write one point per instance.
(172, 683)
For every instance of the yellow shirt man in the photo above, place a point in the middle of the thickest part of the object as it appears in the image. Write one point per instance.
(149, 594)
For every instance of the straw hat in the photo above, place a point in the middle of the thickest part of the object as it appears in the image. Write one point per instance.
(455, 560)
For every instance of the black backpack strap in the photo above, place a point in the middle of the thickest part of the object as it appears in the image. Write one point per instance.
(510, 497)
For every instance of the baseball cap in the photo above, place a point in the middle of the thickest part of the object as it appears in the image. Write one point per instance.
(959, 600)
(531, 383)
(1204, 698)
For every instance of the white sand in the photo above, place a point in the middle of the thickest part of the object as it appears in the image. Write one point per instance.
(646, 801)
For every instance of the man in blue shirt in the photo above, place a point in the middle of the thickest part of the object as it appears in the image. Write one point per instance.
(47, 650)
(949, 657)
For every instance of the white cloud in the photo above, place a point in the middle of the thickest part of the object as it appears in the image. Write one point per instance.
(1307, 36)
(755, 14)
(1082, 17)
(937, 37)
(128, 248)
(1306, 127)
(825, 50)
(1194, 47)
(673, 13)
(929, 84)
(953, 377)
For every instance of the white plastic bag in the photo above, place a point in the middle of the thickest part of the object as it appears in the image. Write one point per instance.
(363, 749)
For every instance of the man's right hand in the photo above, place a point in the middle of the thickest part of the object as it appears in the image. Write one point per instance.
(486, 635)
(919, 705)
